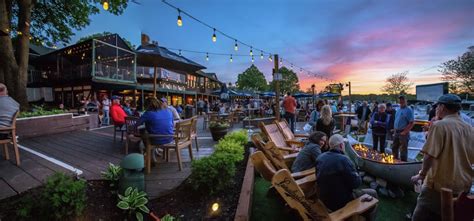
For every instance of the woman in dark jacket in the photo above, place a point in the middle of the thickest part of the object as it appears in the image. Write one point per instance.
(306, 158)
(380, 122)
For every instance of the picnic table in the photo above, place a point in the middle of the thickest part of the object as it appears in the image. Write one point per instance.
(344, 117)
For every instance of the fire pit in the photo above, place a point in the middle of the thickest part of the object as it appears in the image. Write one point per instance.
(383, 165)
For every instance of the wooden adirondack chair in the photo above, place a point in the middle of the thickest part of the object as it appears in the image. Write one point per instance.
(194, 131)
(459, 208)
(286, 131)
(12, 139)
(267, 170)
(182, 139)
(274, 134)
(310, 209)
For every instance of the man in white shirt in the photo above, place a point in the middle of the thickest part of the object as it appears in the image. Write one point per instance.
(173, 110)
(105, 108)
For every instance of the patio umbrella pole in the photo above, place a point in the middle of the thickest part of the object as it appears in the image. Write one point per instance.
(277, 90)
(154, 82)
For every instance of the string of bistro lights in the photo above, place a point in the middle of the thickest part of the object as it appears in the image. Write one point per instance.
(254, 51)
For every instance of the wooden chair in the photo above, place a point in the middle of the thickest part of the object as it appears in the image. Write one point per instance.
(459, 208)
(267, 171)
(286, 131)
(194, 131)
(132, 133)
(314, 209)
(301, 117)
(119, 128)
(182, 139)
(274, 134)
(11, 131)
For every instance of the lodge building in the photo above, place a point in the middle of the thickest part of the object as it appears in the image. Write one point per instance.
(107, 65)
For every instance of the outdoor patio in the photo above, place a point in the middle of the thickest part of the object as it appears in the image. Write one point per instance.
(89, 153)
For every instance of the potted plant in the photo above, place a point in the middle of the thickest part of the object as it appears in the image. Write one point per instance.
(218, 129)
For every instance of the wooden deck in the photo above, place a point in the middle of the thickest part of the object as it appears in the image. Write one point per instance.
(90, 152)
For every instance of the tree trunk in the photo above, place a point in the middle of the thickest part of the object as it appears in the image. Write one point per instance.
(22, 51)
(7, 59)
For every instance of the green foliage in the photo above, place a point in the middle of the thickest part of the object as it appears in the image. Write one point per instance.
(289, 82)
(213, 173)
(168, 217)
(112, 174)
(40, 111)
(229, 146)
(460, 73)
(240, 137)
(218, 124)
(252, 79)
(105, 33)
(397, 84)
(64, 196)
(134, 202)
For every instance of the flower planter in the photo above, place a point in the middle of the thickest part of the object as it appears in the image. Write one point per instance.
(218, 132)
(52, 124)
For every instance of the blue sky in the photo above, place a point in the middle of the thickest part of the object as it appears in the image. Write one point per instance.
(358, 41)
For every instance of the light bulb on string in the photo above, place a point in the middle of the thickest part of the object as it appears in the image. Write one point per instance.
(281, 61)
(270, 57)
(105, 5)
(261, 54)
(251, 52)
(214, 37)
(207, 56)
(179, 52)
(231, 60)
(180, 21)
(236, 46)
(252, 59)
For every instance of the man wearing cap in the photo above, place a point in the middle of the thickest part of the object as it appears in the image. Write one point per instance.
(116, 112)
(404, 120)
(173, 110)
(448, 156)
(337, 178)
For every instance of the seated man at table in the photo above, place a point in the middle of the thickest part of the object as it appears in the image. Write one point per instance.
(8, 108)
(158, 119)
(337, 179)
(172, 109)
(116, 112)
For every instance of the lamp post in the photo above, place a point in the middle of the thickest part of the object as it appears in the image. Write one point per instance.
(348, 84)
(312, 89)
(276, 78)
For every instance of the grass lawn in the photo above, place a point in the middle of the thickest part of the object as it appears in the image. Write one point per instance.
(270, 207)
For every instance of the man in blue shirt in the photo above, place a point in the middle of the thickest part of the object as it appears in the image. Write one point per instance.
(404, 120)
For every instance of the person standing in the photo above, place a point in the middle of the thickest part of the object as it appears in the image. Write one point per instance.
(448, 157)
(326, 122)
(363, 115)
(404, 120)
(379, 122)
(391, 114)
(200, 106)
(289, 104)
(8, 108)
(105, 108)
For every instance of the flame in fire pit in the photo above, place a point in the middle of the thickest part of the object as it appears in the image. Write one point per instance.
(372, 154)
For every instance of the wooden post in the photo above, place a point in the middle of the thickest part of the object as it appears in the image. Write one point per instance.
(350, 99)
(447, 210)
(154, 82)
(277, 90)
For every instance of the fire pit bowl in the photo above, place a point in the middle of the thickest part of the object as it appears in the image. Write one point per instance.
(383, 166)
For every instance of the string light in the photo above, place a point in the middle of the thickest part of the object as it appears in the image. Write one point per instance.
(281, 61)
(214, 37)
(252, 59)
(261, 54)
(19, 32)
(231, 58)
(236, 46)
(180, 21)
(251, 52)
(207, 56)
(105, 5)
(270, 58)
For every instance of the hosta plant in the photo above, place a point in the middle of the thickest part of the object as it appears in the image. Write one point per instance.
(112, 174)
(134, 202)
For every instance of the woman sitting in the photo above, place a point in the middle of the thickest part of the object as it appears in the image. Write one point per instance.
(314, 116)
(306, 158)
(158, 119)
(325, 122)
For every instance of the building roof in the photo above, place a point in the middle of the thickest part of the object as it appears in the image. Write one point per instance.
(146, 53)
(39, 50)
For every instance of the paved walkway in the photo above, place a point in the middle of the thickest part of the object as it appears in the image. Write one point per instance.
(89, 153)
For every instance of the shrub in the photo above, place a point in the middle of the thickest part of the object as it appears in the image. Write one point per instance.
(240, 137)
(112, 174)
(168, 217)
(229, 146)
(213, 173)
(40, 111)
(218, 124)
(134, 201)
(64, 196)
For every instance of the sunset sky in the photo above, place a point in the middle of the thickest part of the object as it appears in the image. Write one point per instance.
(358, 41)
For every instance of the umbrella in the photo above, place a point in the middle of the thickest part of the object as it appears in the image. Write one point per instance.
(328, 94)
(301, 95)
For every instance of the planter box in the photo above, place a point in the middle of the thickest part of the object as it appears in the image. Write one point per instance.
(53, 124)
(256, 121)
(244, 207)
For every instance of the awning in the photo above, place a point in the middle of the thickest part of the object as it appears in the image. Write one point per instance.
(165, 90)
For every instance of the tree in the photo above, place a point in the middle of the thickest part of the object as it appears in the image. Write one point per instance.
(252, 79)
(105, 33)
(397, 84)
(289, 82)
(460, 73)
(46, 22)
